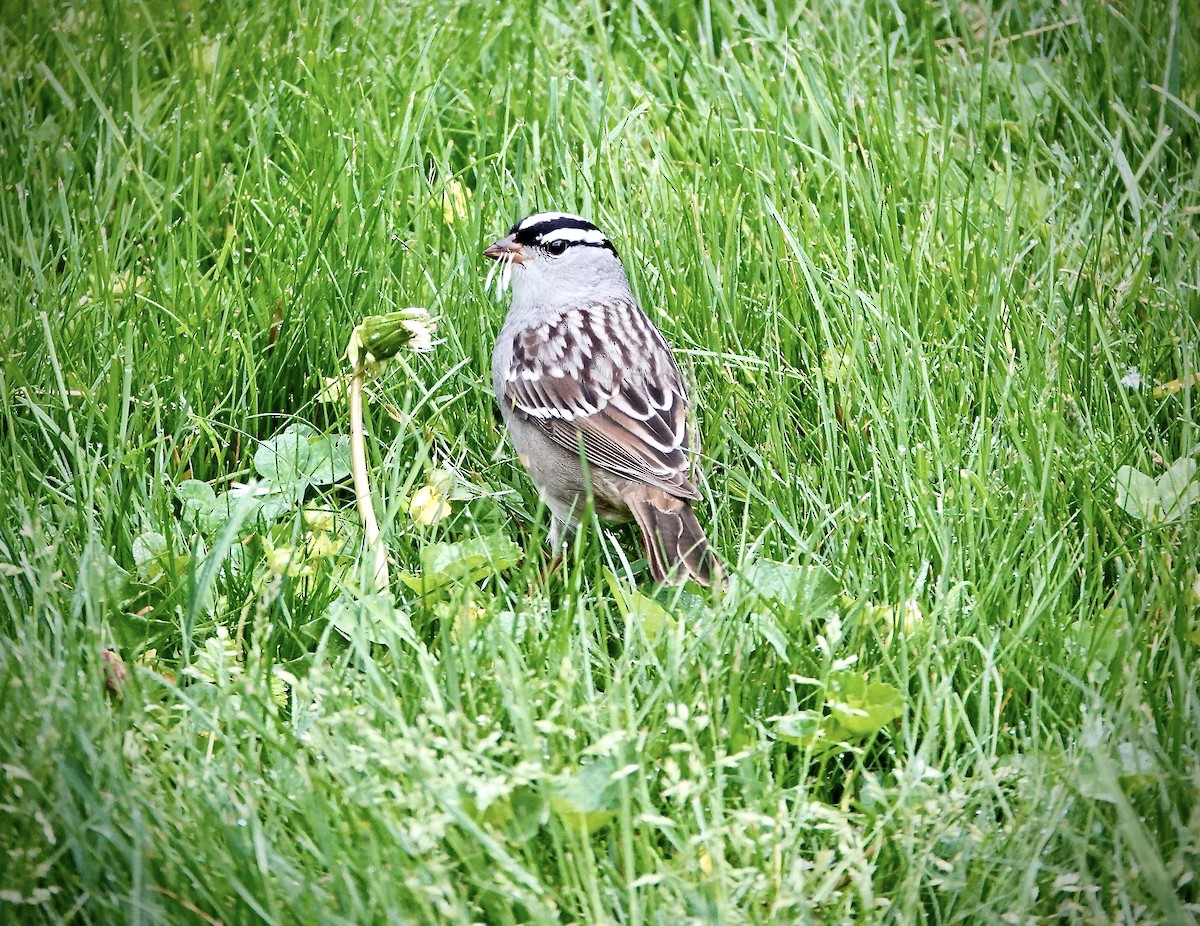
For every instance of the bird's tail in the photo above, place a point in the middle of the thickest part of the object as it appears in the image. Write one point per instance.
(675, 545)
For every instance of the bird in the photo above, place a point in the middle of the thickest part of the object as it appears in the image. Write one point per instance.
(591, 395)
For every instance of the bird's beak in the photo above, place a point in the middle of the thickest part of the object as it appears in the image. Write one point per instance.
(507, 248)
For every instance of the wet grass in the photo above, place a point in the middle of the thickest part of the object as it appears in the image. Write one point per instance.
(933, 275)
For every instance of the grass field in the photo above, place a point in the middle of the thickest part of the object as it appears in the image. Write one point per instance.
(934, 272)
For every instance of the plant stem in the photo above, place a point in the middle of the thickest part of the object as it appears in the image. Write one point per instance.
(362, 486)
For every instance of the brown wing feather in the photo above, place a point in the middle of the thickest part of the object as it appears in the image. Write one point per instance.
(603, 376)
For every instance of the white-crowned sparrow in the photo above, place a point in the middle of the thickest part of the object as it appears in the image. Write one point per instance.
(591, 394)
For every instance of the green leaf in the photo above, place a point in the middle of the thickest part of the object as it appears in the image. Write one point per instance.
(287, 457)
(1103, 776)
(519, 814)
(101, 572)
(803, 728)
(1137, 494)
(1178, 489)
(263, 501)
(586, 799)
(371, 617)
(136, 632)
(860, 707)
(769, 630)
(528, 812)
(1167, 498)
(202, 506)
(465, 561)
(218, 661)
(803, 590)
(274, 501)
(1095, 780)
(195, 495)
(633, 605)
(149, 555)
(330, 459)
(1138, 767)
(295, 459)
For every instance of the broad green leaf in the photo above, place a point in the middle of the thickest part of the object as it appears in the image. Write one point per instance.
(1102, 776)
(101, 572)
(287, 457)
(863, 708)
(1096, 781)
(1178, 489)
(803, 728)
(373, 617)
(682, 601)
(650, 615)
(768, 628)
(219, 513)
(1137, 494)
(1167, 498)
(586, 799)
(1138, 766)
(519, 813)
(803, 590)
(1100, 640)
(203, 506)
(137, 631)
(464, 561)
(329, 459)
(274, 501)
(261, 501)
(528, 812)
(218, 661)
(149, 553)
(195, 495)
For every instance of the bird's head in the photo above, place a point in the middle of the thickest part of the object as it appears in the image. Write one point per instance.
(551, 255)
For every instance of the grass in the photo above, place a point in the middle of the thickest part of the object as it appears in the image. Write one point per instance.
(909, 255)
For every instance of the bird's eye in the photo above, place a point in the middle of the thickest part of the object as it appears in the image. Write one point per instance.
(557, 246)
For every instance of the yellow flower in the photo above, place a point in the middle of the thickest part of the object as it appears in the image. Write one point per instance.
(333, 389)
(905, 617)
(321, 545)
(286, 560)
(319, 520)
(465, 621)
(429, 505)
(454, 201)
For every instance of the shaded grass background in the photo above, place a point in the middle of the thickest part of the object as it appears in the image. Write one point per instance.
(907, 252)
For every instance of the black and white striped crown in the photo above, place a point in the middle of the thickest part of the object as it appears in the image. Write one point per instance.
(544, 228)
